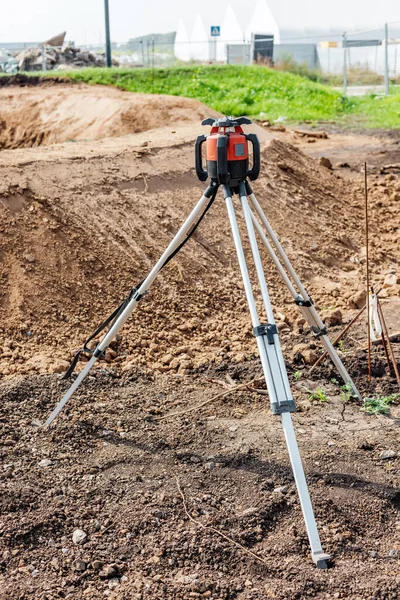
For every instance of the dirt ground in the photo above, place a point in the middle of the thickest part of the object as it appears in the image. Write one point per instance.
(82, 221)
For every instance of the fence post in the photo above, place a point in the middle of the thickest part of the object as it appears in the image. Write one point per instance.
(44, 68)
(386, 60)
(345, 63)
(141, 44)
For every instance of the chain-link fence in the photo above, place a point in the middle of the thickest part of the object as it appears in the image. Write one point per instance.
(358, 58)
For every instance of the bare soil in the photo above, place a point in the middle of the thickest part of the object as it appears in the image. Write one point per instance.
(80, 224)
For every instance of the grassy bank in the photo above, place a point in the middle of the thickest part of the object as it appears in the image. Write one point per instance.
(256, 91)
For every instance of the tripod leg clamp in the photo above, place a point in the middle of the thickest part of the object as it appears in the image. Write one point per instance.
(283, 406)
(319, 331)
(267, 329)
(299, 300)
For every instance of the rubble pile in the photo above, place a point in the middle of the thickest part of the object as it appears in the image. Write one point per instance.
(58, 58)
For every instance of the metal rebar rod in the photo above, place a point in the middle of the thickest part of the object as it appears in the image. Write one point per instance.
(341, 334)
(339, 337)
(367, 267)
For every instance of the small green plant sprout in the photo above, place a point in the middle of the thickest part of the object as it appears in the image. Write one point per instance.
(379, 405)
(297, 375)
(346, 393)
(318, 394)
(341, 346)
(334, 381)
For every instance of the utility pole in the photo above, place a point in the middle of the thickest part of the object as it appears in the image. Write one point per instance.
(108, 39)
(386, 60)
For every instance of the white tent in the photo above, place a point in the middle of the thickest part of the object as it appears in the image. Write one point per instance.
(263, 21)
(199, 41)
(182, 42)
(231, 33)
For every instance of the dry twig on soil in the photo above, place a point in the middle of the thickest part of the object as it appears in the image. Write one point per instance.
(227, 538)
(220, 395)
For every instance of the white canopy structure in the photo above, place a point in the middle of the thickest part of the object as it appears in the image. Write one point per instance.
(231, 33)
(182, 42)
(263, 21)
(200, 42)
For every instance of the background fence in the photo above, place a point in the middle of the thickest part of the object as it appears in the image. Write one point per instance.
(364, 57)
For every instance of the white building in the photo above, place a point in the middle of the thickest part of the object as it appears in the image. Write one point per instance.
(291, 23)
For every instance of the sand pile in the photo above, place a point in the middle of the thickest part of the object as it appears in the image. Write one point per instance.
(49, 114)
(82, 223)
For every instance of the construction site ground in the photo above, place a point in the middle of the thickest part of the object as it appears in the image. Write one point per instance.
(179, 479)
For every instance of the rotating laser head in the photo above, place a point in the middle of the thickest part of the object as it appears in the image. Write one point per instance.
(227, 152)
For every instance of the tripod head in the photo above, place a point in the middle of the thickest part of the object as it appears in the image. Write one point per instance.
(227, 152)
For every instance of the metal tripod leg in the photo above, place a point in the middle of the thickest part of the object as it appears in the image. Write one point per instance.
(274, 367)
(196, 212)
(302, 299)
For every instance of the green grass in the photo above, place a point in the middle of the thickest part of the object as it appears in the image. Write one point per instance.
(379, 405)
(257, 91)
(378, 111)
(318, 394)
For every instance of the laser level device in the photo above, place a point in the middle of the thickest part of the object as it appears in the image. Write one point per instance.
(227, 152)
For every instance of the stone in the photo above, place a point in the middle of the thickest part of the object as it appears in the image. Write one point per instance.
(113, 583)
(166, 359)
(79, 565)
(281, 490)
(209, 465)
(78, 536)
(302, 352)
(392, 553)
(386, 454)
(332, 317)
(45, 462)
(390, 280)
(373, 554)
(357, 300)
(325, 162)
(109, 572)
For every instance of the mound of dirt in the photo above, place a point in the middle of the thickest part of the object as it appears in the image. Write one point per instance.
(37, 116)
(80, 226)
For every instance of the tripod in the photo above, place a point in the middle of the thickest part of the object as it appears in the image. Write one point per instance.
(227, 146)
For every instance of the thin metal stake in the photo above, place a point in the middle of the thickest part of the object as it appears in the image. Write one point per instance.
(392, 356)
(339, 337)
(367, 267)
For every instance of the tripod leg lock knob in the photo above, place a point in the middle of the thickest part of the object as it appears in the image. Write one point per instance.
(267, 329)
(285, 406)
(319, 331)
(299, 300)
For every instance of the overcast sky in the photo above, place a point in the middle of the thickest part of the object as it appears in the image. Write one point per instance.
(37, 20)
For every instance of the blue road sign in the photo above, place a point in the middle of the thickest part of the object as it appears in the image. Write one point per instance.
(215, 30)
